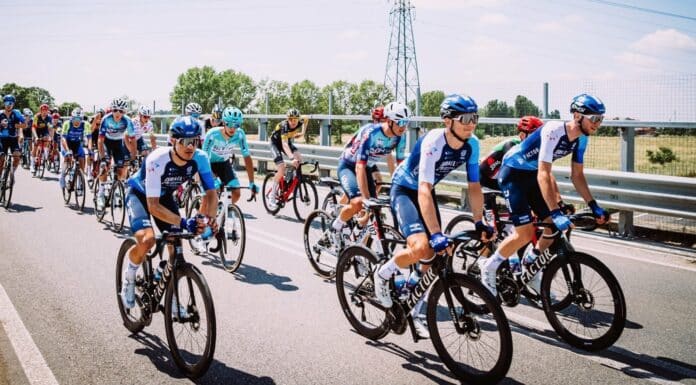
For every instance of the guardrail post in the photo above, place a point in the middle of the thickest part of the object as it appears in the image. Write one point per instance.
(412, 136)
(325, 133)
(263, 129)
(625, 225)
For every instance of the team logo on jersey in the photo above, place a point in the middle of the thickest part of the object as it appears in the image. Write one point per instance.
(188, 169)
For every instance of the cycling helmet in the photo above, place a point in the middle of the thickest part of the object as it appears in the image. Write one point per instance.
(185, 127)
(43, 107)
(144, 111)
(27, 112)
(529, 124)
(55, 117)
(587, 104)
(378, 113)
(76, 114)
(193, 108)
(216, 113)
(119, 104)
(455, 105)
(396, 111)
(232, 117)
(9, 99)
(293, 113)
(101, 111)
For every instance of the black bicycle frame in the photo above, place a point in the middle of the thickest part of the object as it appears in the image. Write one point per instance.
(174, 261)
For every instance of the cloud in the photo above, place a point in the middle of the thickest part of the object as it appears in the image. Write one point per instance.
(635, 59)
(352, 56)
(664, 40)
(493, 18)
(563, 24)
(457, 4)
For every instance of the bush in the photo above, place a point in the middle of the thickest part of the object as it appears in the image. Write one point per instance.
(662, 156)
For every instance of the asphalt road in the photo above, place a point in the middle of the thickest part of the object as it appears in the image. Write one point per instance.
(279, 323)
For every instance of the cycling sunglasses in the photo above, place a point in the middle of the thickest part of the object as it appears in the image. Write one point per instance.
(468, 118)
(402, 122)
(232, 125)
(8, 104)
(117, 110)
(594, 118)
(189, 141)
(145, 117)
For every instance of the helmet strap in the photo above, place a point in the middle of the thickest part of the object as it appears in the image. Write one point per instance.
(176, 153)
(391, 127)
(580, 125)
(451, 130)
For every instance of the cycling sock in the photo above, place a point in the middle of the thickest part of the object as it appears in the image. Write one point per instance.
(132, 269)
(388, 269)
(494, 261)
(338, 224)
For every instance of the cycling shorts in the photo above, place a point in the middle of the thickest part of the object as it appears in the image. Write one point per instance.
(139, 215)
(76, 148)
(405, 208)
(225, 172)
(9, 145)
(349, 181)
(142, 145)
(116, 150)
(522, 195)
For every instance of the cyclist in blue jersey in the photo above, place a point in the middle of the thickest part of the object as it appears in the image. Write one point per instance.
(150, 193)
(435, 155)
(195, 110)
(135, 138)
(371, 142)
(111, 133)
(73, 133)
(527, 183)
(219, 143)
(11, 125)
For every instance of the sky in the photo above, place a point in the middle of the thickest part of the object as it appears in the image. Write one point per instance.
(642, 63)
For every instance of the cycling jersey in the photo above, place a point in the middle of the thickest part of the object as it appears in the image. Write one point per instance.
(284, 132)
(75, 134)
(490, 165)
(432, 159)
(8, 123)
(137, 130)
(42, 124)
(548, 143)
(159, 176)
(219, 149)
(27, 131)
(370, 143)
(111, 129)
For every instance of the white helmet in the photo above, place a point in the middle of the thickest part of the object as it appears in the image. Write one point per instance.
(76, 113)
(396, 111)
(193, 108)
(119, 104)
(27, 112)
(144, 111)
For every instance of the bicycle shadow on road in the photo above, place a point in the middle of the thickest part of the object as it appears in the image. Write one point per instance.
(257, 276)
(20, 208)
(158, 352)
(288, 218)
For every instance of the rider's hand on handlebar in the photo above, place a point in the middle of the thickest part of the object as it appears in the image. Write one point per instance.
(561, 221)
(438, 242)
(566, 208)
(485, 230)
(296, 163)
(599, 213)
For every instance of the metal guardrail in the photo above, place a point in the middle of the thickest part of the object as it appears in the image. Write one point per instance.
(625, 191)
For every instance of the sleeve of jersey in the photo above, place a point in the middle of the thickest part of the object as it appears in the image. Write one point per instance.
(204, 170)
(102, 128)
(65, 128)
(363, 152)
(472, 168)
(130, 128)
(208, 143)
(430, 153)
(400, 150)
(243, 145)
(579, 152)
(548, 140)
(153, 177)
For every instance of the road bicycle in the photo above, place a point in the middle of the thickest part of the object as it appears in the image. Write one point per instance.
(468, 328)
(7, 181)
(74, 182)
(114, 198)
(26, 152)
(295, 187)
(335, 199)
(41, 161)
(189, 313)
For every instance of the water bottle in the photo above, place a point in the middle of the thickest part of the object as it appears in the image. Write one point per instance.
(530, 257)
(413, 279)
(207, 232)
(159, 271)
(399, 282)
(514, 262)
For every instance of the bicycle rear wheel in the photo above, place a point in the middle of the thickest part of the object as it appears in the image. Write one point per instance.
(356, 292)
(191, 325)
(41, 167)
(79, 189)
(330, 203)
(134, 319)
(267, 189)
(233, 239)
(305, 199)
(593, 315)
(322, 254)
(477, 345)
(118, 206)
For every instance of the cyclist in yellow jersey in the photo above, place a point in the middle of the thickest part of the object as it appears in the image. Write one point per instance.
(281, 143)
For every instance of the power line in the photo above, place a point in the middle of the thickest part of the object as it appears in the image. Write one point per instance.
(654, 11)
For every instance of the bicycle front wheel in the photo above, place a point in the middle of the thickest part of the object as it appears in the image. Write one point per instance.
(66, 189)
(306, 199)
(79, 189)
(471, 334)
(322, 254)
(330, 204)
(189, 320)
(9, 187)
(233, 241)
(591, 315)
(118, 206)
(267, 189)
(133, 319)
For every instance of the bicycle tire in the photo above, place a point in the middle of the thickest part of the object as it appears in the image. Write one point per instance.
(193, 191)
(2, 187)
(553, 311)
(440, 316)
(193, 276)
(98, 214)
(79, 190)
(134, 324)
(8, 186)
(237, 237)
(117, 202)
(349, 267)
(313, 249)
(304, 192)
(330, 203)
(66, 189)
(267, 189)
(41, 167)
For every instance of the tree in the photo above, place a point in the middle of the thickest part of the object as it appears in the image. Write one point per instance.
(369, 94)
(555, 114)
(235, 89)
(341, 92)
(430, 106)
(27, 97)
(306, 97)
(497, 109)
(66, 108)
(525, 107)
(199, 85)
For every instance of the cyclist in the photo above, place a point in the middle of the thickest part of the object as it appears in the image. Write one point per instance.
(135, 139)
(55, 143)
(42, 129)
(195, 110)
(93, 140)
(526, 181)
(11, 125)
(371, 142)
(150, 193)
(215, 119)
(219, 143)
(281, 143)
(26, 136)
(73, 134)
(111, 132)
(435, 155)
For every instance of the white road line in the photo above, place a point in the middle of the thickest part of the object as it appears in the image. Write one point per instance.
(613, 254)
(33, 363)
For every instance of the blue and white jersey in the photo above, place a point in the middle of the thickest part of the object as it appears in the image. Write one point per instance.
(159, 175)
(432, 159)
(8, 122)
(219, 149)
(137, 130)
(370, 143)
(114, 130)
(546, 144)
(75, 134)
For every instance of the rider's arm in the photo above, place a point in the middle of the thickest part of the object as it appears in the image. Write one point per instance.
(100, 146)
(361, 175)
(63, 132)
(286, 147)
(546, 185)
(153, 140)
(476, 200)
(244, 149)
(210, 202)
(131, 145)
(427, 207)
(391, 163)
(162, 213)
(577, 175)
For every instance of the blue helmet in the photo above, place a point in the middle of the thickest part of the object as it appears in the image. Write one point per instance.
(9, 99)
(232, 117)
(185, 127)
(587, 104)
(454, 105)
